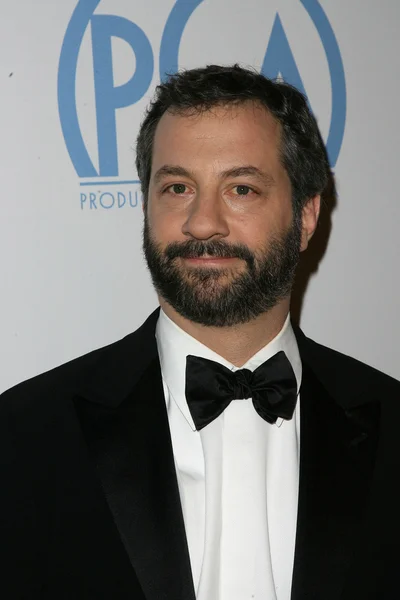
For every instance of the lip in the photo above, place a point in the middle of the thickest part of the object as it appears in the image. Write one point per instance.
(210, 260)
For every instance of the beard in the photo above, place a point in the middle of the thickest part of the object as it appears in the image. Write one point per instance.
(223, 297)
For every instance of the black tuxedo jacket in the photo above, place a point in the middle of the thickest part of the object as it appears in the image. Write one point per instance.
(89, 503)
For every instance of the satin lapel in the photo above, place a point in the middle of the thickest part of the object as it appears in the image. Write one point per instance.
(131, 448)
(337, 453)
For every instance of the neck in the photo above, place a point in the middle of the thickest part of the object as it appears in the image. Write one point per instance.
(237, 343)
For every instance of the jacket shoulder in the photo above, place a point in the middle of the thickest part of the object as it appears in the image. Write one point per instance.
(63, 375)
(346, 375)
(137, 345)
(113, 367)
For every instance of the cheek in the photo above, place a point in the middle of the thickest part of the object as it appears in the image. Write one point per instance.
(255, 230)
(250, 231)
(164, 226)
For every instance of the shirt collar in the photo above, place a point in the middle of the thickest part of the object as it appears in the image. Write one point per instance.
(174, 345)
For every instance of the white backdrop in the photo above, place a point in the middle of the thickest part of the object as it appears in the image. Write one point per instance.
(72, 275)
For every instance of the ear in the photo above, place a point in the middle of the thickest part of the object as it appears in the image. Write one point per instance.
(310, 215)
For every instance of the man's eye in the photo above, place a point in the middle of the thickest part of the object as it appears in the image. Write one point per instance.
(243, 190)
(177, 188)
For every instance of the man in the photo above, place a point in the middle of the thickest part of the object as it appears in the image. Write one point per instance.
(216, 452)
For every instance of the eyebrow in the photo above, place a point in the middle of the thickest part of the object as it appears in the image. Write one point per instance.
(242, 171)
(249, 171)
(174, 170)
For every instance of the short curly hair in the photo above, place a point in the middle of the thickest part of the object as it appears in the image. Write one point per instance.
(303, 152)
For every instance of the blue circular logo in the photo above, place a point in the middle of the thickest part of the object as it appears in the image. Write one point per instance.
(109, 98)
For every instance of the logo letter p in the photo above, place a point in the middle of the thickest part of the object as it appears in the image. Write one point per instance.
(108, 97)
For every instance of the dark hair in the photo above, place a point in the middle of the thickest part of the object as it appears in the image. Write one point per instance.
(303, 152)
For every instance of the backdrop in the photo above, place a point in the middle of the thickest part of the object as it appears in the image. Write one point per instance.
(75, 80)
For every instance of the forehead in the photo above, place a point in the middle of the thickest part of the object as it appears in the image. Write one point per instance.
(243, 133)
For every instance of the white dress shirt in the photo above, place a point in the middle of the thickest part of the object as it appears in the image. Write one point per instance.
(238, 478)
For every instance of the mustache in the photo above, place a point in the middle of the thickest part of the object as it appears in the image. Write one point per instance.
(216, 248)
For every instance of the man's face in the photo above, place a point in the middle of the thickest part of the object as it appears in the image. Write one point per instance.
(220, 239)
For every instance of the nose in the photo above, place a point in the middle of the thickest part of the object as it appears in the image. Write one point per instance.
(206, 219)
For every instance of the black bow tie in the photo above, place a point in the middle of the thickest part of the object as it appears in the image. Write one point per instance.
(210, 388)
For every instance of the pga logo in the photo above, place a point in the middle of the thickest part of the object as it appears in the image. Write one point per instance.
(279, 60)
